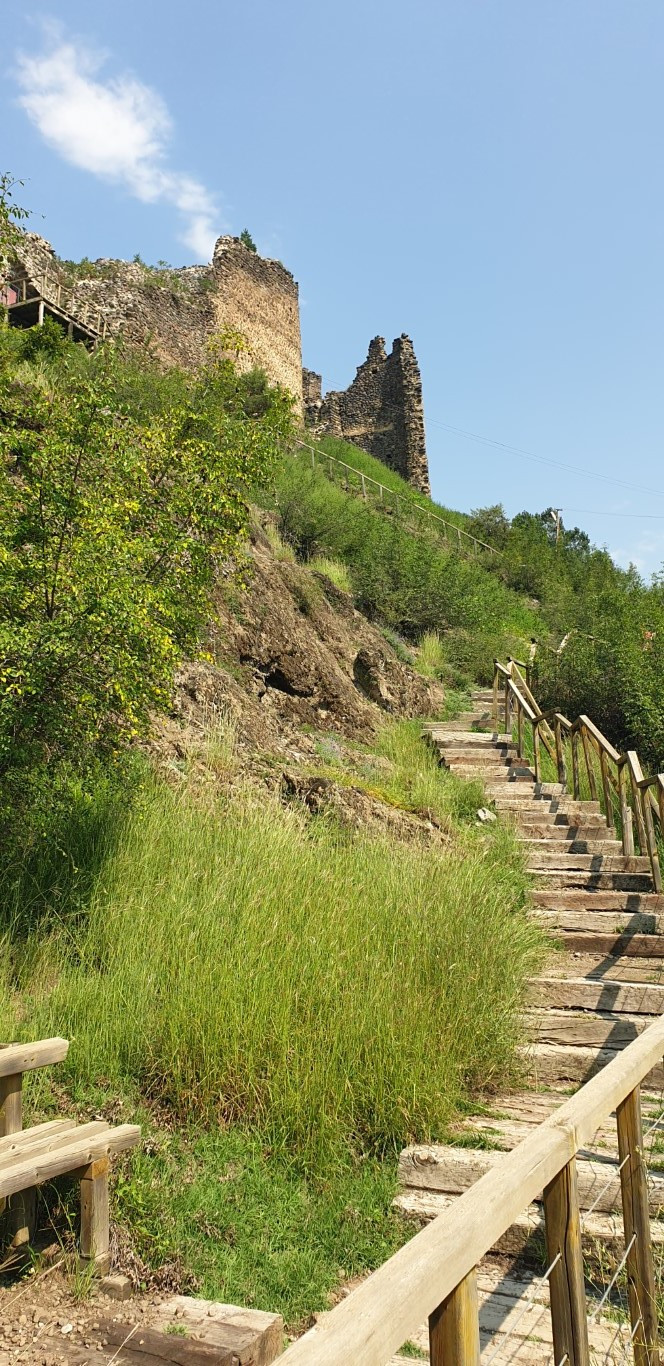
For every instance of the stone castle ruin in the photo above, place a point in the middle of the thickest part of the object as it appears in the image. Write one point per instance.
(175, 312)
(381, 410)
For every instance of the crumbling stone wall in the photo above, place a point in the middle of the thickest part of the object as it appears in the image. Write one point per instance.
(175, 312)
(381, 410)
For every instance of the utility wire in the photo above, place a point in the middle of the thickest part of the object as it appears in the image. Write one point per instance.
(543, 459)
(597, 512)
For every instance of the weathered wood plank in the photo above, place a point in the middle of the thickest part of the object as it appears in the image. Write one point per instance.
(23, 1057)
(16, 1176)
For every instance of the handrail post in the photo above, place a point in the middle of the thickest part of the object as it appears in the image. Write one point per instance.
(536, 752)
(625, 813)
(592, 783)
(560, 753)
(638, 807)
(569, 1318)
(651, 841)
(494, 709)
(519, 721)
(576, 786)
(508, 726)
(636, 1220)
(608, 802)
(454, 1327)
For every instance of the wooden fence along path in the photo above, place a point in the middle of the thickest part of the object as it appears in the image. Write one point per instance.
(543, 1238)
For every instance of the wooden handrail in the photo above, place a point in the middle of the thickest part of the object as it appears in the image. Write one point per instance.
(619, 774)
(389, 1307)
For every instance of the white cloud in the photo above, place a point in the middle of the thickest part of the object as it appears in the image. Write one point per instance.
(116, 128)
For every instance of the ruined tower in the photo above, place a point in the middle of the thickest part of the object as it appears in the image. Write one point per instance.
(381, 410)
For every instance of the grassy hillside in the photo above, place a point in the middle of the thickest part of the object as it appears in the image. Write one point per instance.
(283, 1004)
(612, 622)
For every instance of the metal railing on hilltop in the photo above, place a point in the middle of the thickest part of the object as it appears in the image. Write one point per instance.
(366, 486)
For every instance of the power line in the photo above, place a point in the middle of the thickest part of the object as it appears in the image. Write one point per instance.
(544, 460)
(596, 512)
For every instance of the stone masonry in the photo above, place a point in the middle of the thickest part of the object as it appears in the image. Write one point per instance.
(381, 410)
(175, 312)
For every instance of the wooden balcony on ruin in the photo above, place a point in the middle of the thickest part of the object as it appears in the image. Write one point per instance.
(29, 301)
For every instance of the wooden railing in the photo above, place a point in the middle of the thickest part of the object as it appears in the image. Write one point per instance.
(364, 485)
(434, 1276)
(49, 287)
(633, 804)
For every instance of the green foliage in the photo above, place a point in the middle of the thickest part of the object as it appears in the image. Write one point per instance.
(120, 494)
(431, 661)
(333, 570)
(252, 1229)
(411, 584)
(247, 240)
(328, 1023)
(11, 216)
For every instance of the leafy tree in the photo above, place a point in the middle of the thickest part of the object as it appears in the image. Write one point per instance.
(247, 240)
(112, 530)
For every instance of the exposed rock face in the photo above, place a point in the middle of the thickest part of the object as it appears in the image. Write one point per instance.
(294, 656)
(381, 410)
(175, 312)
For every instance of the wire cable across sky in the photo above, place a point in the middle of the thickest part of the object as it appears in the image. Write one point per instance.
(545, 460)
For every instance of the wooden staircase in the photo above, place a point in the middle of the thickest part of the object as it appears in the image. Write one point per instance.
(601, 986)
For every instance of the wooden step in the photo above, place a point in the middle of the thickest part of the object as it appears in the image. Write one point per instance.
(586, 1029)
(602, 1233)
(471, 739)
(593, 993)
(609, 969)
(561, 848)
(515, 1322)
(490, 759)
(559, 830)
(558, 878)
(568, 860)
(559, 1064)
(562, 923)
(626, 945)
(533, 792)
(543, 804)
(451, 1171)
(575, 899)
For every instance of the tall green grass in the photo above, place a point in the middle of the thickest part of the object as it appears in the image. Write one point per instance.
(337, 995)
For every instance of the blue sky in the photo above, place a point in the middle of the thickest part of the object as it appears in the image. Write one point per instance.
(485, 175)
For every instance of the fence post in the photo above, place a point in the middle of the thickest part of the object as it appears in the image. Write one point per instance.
(560, 753)
(576, 786)
(636, 1220)
(651, 841)
(608, 801)
(519, 722)
(454, 1327)
(587, 754)
(569, 1318)
(625, 814)
(536, 752)
(508, 724)
(632, 759)
(494, 709)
